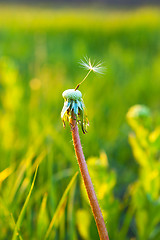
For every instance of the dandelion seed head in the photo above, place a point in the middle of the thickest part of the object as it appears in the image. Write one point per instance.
(73, 103)
(71, 94)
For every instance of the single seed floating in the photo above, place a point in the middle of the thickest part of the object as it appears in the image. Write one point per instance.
(73, 103)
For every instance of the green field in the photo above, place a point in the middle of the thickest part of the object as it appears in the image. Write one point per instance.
(40, 50)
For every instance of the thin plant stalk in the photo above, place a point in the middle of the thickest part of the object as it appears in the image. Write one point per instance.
(83, 79)
(103, 234)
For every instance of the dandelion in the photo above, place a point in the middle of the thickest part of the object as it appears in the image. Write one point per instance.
(74, 112)
(73, 102)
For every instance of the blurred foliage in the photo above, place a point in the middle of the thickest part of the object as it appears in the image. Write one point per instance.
(145, 192)
(39, 54)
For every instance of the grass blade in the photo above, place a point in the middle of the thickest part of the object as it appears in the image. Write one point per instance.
(60, 205)
(43, 219)
(21, 215)
(6, 173)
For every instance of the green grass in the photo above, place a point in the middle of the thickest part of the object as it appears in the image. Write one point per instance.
(22, 213)
(39, 54)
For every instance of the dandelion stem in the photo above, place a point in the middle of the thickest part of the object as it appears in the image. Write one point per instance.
(103, 234)
(83, 79)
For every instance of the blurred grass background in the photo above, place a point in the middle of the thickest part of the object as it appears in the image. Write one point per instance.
(40, 49)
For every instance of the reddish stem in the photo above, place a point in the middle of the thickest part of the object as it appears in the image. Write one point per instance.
(103, 234)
